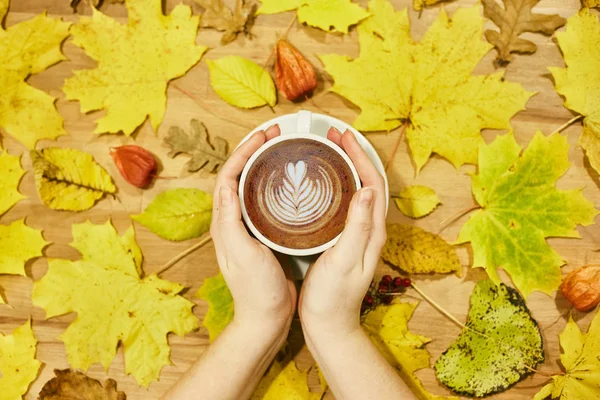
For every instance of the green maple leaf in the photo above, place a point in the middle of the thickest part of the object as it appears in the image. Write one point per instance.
(521, 207)
(428, 84)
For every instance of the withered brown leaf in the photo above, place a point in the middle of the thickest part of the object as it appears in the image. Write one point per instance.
(70, 384)
(220, 17)
(515, 19)
(94, 3)
(196, 144)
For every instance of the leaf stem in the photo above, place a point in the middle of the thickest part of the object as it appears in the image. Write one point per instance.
(396, 145)
(183, 254)
(283, 35)
(448, 221)
(568, 124)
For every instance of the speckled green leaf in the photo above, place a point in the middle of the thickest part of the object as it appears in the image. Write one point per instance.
(500, 341)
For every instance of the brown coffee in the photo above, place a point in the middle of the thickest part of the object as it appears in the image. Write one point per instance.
(297, 193)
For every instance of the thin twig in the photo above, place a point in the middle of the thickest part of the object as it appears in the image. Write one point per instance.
(395, 148)
(283, 35)
(183, 254)
(448, 221)
(568, 124)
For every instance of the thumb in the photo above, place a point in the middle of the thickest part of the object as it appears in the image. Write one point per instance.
(351, 246)
(231, 229)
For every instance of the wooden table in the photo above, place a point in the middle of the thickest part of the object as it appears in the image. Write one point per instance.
(544, 112)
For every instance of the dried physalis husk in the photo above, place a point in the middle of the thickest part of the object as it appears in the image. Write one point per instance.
(295, 75)
(582, 287)
(136, 164)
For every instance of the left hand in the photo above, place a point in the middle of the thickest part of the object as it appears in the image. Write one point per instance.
(262, 291)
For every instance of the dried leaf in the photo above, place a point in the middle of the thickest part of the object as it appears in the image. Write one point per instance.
(18, 366)
(417, 201)
(515, 19)
(500, 345)
(70, 384)
(218, 16)
(30, 47)
(196, 144)
(11, 173)
(417, 251)
(69, 179)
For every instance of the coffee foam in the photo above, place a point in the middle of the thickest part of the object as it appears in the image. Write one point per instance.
(297, 193)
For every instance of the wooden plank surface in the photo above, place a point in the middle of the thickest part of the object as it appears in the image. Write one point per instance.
(544, 112)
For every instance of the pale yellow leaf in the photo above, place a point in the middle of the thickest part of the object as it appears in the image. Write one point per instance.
(18, 366)
(11, 174)
(417, 201)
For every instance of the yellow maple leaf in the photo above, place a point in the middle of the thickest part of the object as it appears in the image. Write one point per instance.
(579, 83)
(135, 63)
(18, 366)
(113, 304)
(328, 15)
(580, 359)
(26, 113)
(417, 201)
(387, 327)
(214, 290)
(68, 179)
(428, 84)
(11, 173)
(18, 244)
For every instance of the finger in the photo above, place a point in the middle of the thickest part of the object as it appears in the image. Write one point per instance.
(272, 132)
(233, 234)
(335, 136)
(350, 248)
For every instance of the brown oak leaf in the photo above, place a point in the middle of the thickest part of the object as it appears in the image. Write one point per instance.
(204, 155)
(93, 3)
(220, 17)
(70, 384)
(515, 19)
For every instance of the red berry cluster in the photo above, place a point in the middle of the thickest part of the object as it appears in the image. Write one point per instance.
(384, 291)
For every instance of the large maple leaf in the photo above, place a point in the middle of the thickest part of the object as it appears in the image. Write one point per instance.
(18, 365)
(426, 84)
(113, 304)
(135, 63)
(28, 48)
(521, 207)
(580, 81)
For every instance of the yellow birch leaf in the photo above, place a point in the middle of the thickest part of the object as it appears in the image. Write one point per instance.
(579, 83)
(113, 304)
(11, 173)
(581, 363)
(18, 366)
(30, 47)
(387, 327)
(241, 82)
(68, 179)
(417, 201)
(328, 15)
(428, 84)
(214, 290)
(135, 63)
(417, 251)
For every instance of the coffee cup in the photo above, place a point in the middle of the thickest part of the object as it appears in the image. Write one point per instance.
(295, 191)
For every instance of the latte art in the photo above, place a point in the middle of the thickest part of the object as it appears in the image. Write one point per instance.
(297, 193)
(299, 200)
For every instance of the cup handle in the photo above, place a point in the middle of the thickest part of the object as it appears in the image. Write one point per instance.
(303, 122)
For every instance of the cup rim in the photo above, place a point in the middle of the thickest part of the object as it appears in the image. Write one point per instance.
(284, 137)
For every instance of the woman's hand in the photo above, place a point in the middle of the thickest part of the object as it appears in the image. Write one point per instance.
(261, 291)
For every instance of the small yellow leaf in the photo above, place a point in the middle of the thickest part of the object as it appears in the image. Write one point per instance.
(68, 179)
(214, 290)
(26, 113)
(11, 173)
(135, 63)
(417, 251)
(417, 201)
(18, 366)
(241, 82)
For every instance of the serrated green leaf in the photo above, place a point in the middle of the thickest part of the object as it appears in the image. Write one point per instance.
(417, 201)
(178, 214)
(500, 345)
(241, 82)
(220, 305)
(521, 207)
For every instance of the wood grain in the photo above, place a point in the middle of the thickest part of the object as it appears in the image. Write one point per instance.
(544, 112)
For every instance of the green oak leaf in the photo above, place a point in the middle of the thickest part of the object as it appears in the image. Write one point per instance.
(178, 214)
(499, 346)
(521, 207)
(220, 305)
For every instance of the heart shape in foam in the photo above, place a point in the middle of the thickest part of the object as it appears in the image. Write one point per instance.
(296, 173)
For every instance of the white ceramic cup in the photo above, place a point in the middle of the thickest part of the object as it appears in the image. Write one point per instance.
(302, 131)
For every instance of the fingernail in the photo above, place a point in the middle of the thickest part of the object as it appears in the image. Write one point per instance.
(225, 196)
(336, 130)
(365, 198)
